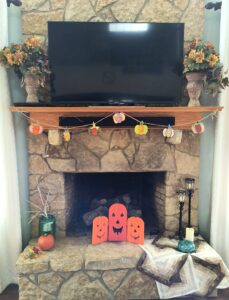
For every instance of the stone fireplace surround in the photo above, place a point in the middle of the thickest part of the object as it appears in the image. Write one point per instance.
(75, 269)
(114, 150)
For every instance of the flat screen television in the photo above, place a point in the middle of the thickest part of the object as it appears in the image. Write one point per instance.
(116, 63)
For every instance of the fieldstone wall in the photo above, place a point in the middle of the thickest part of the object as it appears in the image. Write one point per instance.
(74, 269)
(113, 150)
(36, 13)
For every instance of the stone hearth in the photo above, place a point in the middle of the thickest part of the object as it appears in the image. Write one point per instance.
(114, 150)
(77, 270)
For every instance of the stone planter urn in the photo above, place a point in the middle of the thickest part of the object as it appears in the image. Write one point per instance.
(31, 83)
(194, 87)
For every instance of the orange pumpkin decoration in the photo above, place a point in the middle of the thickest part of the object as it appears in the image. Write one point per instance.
(135, 230)
(99, 230)
(141, 129)
(119, 117)
(117, 222)
(35, 129)
(46, 242)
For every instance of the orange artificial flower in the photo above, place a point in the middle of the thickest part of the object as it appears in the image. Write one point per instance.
(213, 59)
(199, 57)
(33, 42)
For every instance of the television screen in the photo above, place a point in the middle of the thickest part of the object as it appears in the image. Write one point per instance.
(116, 63)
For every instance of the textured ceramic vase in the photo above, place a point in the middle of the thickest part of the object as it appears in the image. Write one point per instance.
(31, 83)
(194, 87)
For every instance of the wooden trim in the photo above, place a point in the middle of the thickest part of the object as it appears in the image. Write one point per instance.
(49, 116)
(127, 109)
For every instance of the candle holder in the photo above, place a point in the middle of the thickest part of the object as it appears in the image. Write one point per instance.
(181, 194)
(189, 183)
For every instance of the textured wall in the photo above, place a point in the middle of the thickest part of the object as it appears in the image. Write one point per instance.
(36, 13)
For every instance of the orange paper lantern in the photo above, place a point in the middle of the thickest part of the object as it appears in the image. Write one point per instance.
(117, 222)
(135, 230)
(35, 129)
(99, 230)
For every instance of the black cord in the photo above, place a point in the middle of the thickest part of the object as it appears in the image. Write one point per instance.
(14, 2)
(216, 5)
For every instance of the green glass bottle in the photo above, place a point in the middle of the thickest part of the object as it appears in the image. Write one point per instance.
(47, 225)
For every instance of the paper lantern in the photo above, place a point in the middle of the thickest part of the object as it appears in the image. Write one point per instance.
(94, 129)
(198, 127)
(54, 137)
(141, 129)
(168, 132)
(117, 222)
(67, 135)
(35, 129)
(99, 230)
(135, 230)
(119, 117)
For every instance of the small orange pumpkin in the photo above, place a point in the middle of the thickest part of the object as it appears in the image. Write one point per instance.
(141, 129)
(119, 117)
(35, 129)
(46, 242)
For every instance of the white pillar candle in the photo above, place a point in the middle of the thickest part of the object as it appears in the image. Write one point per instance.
(189, 234)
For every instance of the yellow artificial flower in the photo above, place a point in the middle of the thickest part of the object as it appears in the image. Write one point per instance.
(192, 54)
(213, 59)
(18, 57)
(199, 57)
(10, 59)
(6, 51)
(33, 42)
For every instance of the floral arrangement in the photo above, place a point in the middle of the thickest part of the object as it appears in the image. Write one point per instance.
(202, 57)
(26, 57)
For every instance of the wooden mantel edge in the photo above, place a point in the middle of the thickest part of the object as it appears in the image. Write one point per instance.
(48, 117)
(110, 109)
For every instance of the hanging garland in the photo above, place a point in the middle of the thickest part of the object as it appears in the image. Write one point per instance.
(141, 128)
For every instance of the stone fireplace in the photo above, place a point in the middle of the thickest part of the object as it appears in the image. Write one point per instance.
(114, 163)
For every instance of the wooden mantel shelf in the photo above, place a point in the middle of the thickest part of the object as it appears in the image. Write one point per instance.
(49, 116)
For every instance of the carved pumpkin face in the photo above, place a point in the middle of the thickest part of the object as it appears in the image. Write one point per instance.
(99, 230)
(135, 230)
(117, 222)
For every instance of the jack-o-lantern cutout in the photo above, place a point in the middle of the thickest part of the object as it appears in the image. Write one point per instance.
(99, 230)
(135, 230)
(117, 222)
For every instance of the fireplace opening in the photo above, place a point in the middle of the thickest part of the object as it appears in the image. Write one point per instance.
(90, 194)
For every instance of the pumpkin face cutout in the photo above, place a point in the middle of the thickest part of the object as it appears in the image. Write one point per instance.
(135, 230)
(117, 222)
(99, 230)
